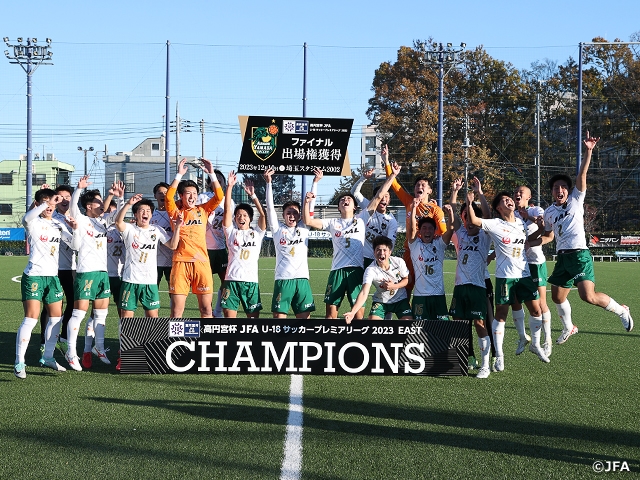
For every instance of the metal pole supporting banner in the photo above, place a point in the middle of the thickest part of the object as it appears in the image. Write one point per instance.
(167, 173)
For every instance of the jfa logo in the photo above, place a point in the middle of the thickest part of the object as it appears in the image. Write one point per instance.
(176, 329)
(289, 126)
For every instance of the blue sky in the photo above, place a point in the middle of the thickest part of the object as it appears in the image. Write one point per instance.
(260, 72)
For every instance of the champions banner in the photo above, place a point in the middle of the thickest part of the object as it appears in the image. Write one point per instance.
(271, 346)
(295, 146)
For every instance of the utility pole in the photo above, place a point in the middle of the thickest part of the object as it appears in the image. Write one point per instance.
(466, 146)
(85, 150)
(204, 183)
(538, 149)
(29, 56)
(442, 56)
(180, 125)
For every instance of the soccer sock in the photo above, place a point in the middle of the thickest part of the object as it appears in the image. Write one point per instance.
(535, 325)
(564, 312)
(99, 325)
(89, 333)
(217, 310)
(72, 330)
(485, 351)
(518, 320)
(498, 336)
(51, 336)
(614, 307)
(23, 337)
(546, 325)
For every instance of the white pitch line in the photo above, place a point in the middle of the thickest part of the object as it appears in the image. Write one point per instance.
(292, 461)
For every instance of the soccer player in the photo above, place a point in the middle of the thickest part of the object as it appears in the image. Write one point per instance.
(388, 275)
(537, 266)
(427, 255)
(241, 285)
(161, 219)
(380, 222)
(470, 293)
(290, 239)
(421, 190)
(141, 242)
(91, 284)
(191, 269)
(216, 242)
(513, 280)
(40, 283)
(564, 221)
(348, 238)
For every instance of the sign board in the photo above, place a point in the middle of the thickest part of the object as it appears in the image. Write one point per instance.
(295, 146)
(7, 234)
(603, 241)
(275, 346)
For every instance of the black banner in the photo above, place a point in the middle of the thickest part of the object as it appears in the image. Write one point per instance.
(271, 346)
(295, 146)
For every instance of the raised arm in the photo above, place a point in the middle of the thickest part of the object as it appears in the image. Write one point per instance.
(176, 224)
(456, 186)
(449, 215)
(74, 207)
(395, 170)
(211, 204)
(360, 301)
(117, 191)
(170, 199)
(227, 217)
(249, 188)
(314, 189)
(404, 196)
(271, 209)
(309, 202)
(355, 190)
(121, 225)
(581, 179)
(471, 215)
(412, 226)
(476, 186)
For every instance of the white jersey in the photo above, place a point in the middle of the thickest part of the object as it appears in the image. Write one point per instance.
(244, 250)
(44, 237)
(67, 259)
(567, 222)
(428, 267)
(347, 238)
(215, 230)
(534, 254)
(115, 252)
(472, 252)
(141, 245)
(509, 241)
(291, 244)
(374, 275)
(378, 224)
(160, 219)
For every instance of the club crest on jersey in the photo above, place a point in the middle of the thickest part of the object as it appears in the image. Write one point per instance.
(153, 237)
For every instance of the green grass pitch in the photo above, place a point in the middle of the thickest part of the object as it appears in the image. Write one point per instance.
(533, 420)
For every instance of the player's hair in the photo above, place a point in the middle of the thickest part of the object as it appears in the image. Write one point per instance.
(246, 207)
(220, 177)
(64, 188)
(496, 200)
(428, 220)
(144, 201)
(88, 197)
(422, 177)
(184, 184)
(44, 193)
(291, 203)
(161, 184)
(355, 203)
(382, 240)
(476, 209)
(560, 176)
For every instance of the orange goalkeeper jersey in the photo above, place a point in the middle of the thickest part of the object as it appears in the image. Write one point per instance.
(192, 246)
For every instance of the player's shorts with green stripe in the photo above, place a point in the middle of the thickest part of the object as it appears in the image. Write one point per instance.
(343, 281)
(91, 286)
(539, 273)
(572, 268)
(44, 289)
(515, 290)
(132, 293)
(400, 309)
(295, 294)
(469, 302)
(247, 294)
(432, 307)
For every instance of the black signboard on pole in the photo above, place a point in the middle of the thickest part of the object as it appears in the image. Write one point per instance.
(295, 146)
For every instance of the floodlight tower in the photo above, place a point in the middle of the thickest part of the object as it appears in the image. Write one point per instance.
(29, 55)
(442, 56)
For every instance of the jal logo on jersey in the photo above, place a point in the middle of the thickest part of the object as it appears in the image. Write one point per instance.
(506, 240)
(109, 240)
(283, 241)
(44, 238)
(194, 221)
(135, 245)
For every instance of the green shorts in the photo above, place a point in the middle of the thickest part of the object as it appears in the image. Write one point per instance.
(538, 273)
(401, 309)
(515, 290)
(432, 307)
(91, 286)
(131, 293)
(469, 302)
(235, 293)
(572, 268)
(166, 271)
(115, 284)
(295, 294)
(218, 259)
(44, 289)
(343, 281)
